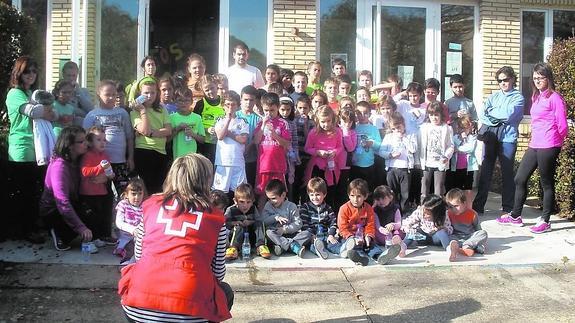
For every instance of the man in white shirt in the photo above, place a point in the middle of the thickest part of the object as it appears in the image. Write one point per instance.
(241, 74)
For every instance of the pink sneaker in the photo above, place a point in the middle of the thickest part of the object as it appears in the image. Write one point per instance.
(507, 219)
(540, 227)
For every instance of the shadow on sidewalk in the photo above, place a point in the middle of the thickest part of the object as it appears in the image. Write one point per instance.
(499, 244)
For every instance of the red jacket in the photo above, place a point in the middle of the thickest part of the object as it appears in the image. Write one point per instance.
(349, 217)
(90, 167)
(174, 273)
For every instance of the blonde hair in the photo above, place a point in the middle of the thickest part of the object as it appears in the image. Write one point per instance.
(188, 182)
(322, 112)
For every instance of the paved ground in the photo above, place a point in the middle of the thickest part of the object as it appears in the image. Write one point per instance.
(522, 277)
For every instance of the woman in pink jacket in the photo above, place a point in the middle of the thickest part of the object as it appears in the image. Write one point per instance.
(548, 130)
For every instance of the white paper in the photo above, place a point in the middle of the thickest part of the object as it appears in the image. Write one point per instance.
(448, 93)
(405, 73)
(453, 63)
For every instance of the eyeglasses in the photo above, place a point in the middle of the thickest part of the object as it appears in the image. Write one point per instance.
(503, 80)
(539, 79)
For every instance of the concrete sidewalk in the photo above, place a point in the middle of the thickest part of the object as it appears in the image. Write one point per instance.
(506, 246)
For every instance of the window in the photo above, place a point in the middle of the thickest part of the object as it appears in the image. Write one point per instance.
(37, 10)
(537, 36)
(248, 22)
(337, 19)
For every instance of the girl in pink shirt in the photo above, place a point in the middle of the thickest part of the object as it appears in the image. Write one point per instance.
(325, 145)
(548, 130)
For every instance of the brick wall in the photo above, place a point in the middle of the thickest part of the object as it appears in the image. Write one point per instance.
(61, 27)
(291, 50)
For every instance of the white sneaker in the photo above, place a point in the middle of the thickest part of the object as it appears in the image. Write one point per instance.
(99, 243)
(348, 245)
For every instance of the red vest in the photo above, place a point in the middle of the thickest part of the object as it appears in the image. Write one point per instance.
(174, 273)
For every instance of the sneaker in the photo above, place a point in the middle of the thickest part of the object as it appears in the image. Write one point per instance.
(58, 243)
(109, 241)
(120, 252)
(540, 227)
(481, 249)
(452, 250)
(297, 249)
(392, 252)
(402, 246)
(467, 251)
(348, 245)
(99, 243)
(357, 257)
(231, 254)
(507, 219)
(264, 252)
(320, 248)
(278, 250)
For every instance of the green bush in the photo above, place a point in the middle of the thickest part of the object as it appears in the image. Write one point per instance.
(562, 61)
(15, 40)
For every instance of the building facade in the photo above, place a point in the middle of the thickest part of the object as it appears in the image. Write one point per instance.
(415, 39)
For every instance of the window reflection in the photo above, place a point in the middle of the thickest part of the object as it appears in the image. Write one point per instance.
(563, 24)
(37, 10)
(249, 23)
(532, 39)
(337, 34)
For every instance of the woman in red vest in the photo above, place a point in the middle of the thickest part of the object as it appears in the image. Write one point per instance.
(180, 248)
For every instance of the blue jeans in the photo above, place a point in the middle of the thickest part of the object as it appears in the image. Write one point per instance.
(439, 238)
(506, 153)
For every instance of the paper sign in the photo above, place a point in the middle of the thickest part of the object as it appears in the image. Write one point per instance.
(448, 93)
(333, 56)
(453, 63)
(405, 73)
(454, 46)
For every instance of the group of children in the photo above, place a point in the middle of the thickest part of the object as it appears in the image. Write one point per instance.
(282, 139)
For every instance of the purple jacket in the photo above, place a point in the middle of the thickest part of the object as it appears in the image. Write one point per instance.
(548, 120)
(61, 193)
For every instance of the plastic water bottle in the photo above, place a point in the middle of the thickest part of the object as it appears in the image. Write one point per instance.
(86, 251)
(320, 234)
(246, 247)
(107, 168)
(330, 164)
(359, 234)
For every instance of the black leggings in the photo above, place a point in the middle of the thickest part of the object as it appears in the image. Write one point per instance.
(152, 167)
(546, 160)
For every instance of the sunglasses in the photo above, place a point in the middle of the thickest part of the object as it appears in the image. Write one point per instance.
(503, 80)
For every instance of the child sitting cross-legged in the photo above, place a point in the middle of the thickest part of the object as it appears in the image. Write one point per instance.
(356, 223)
(387, 219)
(466, 228)
(430, 225)
(241, 216)
(282, 221)
(319, 219)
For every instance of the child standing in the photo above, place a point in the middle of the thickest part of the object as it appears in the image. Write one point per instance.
(232, 134)
(242, 216)
(435, 151)
(331, 88)
(129, 214)
(398, 148)
(246, 113)
(318, 98)
(96, 173)
(387, 218)
(356, 222)
(63, 91)
(368, 142)
(300, 85)
(210, 108)
(304, 124)
(282, 221)
(286, 77)
(188, 128)
(325, 146)
(344, 87)
(466, 228)
(287, 113)
(347, 123)
(459, 105)
(119, 133)
(314, 75)
(166, 85)
(272, 75)
(319, 219)
(464, 161)
(432, 90)
(273, 139)
(430, 225)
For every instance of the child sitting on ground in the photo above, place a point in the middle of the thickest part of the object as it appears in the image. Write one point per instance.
(129, 214)
(319, 219)
(356, 223)
(430, 225)
(387, 219)
(466, 228)
(282, 221)
(242, 216)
